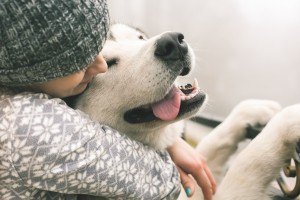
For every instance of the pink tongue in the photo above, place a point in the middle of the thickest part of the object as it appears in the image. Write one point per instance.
(168, 108)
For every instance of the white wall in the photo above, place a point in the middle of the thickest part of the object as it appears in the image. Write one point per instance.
(244, 48)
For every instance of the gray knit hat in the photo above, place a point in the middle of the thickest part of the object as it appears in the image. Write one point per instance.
(41, 40)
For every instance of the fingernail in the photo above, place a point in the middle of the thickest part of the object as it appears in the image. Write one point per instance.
(188, 191)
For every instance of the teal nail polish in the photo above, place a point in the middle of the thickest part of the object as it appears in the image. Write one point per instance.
(188, 191)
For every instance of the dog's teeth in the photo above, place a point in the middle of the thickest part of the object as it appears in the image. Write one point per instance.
(193, 94)
(196, 84)
(188, 86)
(185, 98)
(189, 96)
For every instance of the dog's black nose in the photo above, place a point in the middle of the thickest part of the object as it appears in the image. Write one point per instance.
(171, 46)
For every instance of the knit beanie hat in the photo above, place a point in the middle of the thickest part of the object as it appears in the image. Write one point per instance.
(41, 40)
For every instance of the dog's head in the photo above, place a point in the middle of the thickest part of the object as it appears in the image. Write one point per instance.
(138, 94)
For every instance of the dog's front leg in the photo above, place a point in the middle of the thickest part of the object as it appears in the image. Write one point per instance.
(219, 145)
(250, 175)
(223, 141)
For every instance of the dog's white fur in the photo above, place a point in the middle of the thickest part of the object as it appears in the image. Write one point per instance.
(138, 78)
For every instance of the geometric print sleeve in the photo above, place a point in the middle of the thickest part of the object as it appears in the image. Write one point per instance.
(50, 151)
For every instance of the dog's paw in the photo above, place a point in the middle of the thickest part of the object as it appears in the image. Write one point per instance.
(287, 124)
(252, 113)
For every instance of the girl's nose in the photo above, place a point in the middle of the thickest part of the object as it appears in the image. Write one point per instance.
(98, 66)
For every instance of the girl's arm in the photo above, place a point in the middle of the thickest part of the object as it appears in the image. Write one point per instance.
(56, 148)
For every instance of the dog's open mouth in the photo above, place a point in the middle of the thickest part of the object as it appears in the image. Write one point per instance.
(179, 101)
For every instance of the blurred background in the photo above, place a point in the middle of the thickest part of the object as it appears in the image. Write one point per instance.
(244, 48)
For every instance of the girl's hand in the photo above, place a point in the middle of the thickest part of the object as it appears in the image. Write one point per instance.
(189, 162)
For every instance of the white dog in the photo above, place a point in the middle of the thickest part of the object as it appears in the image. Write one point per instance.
(138, 96)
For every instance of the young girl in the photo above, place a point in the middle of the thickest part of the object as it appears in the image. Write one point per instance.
(49, 49)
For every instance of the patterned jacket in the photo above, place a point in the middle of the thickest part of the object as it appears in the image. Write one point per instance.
(50, 151)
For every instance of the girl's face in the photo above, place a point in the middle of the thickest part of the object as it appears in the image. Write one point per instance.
(72, 84)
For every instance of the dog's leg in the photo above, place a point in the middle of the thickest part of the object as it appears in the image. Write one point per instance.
(223, 141)
(250, 175)
(219, 145)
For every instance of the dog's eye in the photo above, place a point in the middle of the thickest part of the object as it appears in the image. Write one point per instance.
(111, 62)
(142, 37)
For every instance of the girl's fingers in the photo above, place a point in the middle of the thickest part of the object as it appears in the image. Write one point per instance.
(187, 183)
(204, 182)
